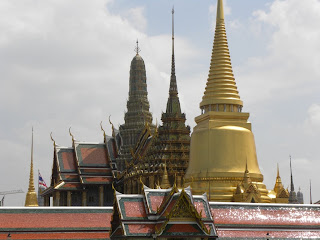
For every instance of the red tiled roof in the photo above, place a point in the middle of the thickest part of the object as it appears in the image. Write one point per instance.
(55, 223)
(99, 180)
(135, 209)
(140, 228)
(200, 209)
(266, 215)
(156, 202)
(54, 220)
(94, 156)
(68, 161)
(61, 235)
(234, 234)
(182, 228)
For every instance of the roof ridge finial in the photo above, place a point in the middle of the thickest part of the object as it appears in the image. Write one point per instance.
(137, 49)
(54, 142)
(112, 126)
(71, 134)
(104, 132)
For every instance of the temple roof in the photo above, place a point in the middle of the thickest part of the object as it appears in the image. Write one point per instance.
(56, 223)
(83, 164)
(252, 221)
(162, 213)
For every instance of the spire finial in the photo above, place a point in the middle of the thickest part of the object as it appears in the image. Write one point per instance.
(278, 174)
(221, 85)
(31, 198)
(165, 178)
(137, 49)
(173, 82)
(246, 166)
(310, 193)
(291, 185)
(220, 12)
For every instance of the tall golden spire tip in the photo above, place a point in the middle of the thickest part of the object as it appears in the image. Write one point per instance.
(31, 197)
(220, 12)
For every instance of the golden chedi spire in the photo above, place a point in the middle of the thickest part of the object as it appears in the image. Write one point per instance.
(278, 185)
(221, 86)
(222, 141)
(31, 197)
(165, 183)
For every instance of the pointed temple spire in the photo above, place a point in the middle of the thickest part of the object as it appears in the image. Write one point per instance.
(138, 106)
(292, 194)
(278, 186)
(221, 124)
(165, 183)
(247, 179)
(31, 197)
(173, 104)
(173, 82)
(310, 193)
(291, 182)
(221, 87)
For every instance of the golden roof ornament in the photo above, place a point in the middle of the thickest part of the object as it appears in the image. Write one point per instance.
(104, 132)
(31, 197)
(165, 183)
(73, 139)
(54, 142)
(113, 132)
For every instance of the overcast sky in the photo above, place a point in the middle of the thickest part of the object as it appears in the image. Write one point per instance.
(65, 63)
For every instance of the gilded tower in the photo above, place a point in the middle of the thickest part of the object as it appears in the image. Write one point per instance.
(279, 194)
(222, 142)
(174, 135)
(31, 197)
(138, 114)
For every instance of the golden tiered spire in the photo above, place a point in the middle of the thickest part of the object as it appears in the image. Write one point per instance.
(221, 86)
(165, 183)
(278, 185)
(222, 141)
(31, 197)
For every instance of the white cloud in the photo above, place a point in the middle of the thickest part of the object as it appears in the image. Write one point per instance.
(291, 66)
(65, 63)
(312, 123)
(136, 17)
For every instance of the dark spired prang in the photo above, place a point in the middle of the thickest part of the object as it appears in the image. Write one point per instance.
(138, 114)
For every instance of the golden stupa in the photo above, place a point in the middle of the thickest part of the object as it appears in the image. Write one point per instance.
(31, 197)
(222, 142)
